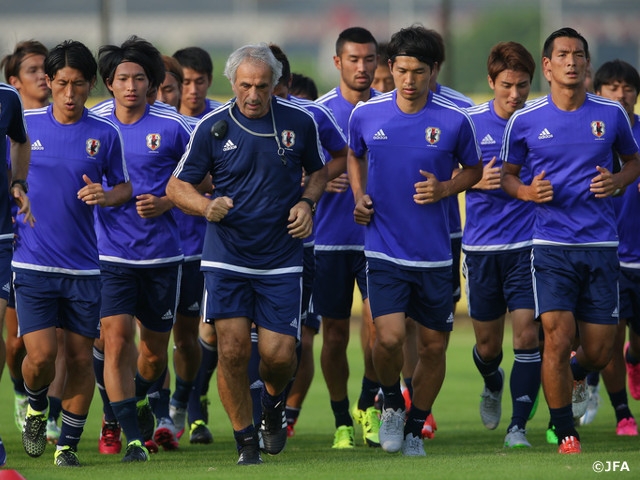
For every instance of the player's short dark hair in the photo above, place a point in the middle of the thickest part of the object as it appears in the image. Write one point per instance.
(439, 41)
(11, 62)
(303, 86)
(173, 67)
(286, 66)
(616, 71)
(568, 32)
(414, 41)
(383, 54)
(74, 54)
(135, 50)
(510, 56)
(195, 58)
(354, 35)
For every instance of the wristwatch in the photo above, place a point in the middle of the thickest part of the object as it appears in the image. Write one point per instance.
(22, 183)
(309, 202)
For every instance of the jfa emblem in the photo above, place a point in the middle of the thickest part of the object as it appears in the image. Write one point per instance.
(92, 146)
(288, 138)
(597, 128)
(432, 134)
(153, 141)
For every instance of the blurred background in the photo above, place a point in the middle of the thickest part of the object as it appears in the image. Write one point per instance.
(307, 30)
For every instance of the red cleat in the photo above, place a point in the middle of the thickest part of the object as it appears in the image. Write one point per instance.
(569, 445)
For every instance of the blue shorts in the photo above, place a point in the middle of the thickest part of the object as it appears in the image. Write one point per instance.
(310, 319)
(497, 282)
(456, 249)
(44, 301)
(630, 297)
(424, 295)
(336, 272)
(270, 301)
(580, 280)
(6, 254)
(149, 294)
(191, 289)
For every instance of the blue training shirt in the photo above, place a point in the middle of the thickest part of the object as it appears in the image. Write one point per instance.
(627, 208)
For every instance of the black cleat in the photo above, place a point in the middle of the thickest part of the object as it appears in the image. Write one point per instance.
(273, 428)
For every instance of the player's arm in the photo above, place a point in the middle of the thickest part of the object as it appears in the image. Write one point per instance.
(432, 190)
(357, 170)
(301, 214)
(539, 191)
(186, 197)
(20, 158)
(607, 184)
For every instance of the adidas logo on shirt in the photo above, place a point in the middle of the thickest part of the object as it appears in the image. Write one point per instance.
(380, 135)
(168, 315)
(487, 140)
(228, 146)
(37, 145)
(545, 134)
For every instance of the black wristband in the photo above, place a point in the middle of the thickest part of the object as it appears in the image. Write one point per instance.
(309, 202)
(22, 183)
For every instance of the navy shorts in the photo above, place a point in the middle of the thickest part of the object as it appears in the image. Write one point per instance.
(270, 301)
(456, 249)
(44, 301)
(580, 280)
(336, 274)
(630, 297)
(6, 254)
(149, 294)
(424, 295)
(310, 319)
(497, 282)
(191, 289)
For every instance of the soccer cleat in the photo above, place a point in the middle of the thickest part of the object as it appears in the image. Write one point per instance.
(249, 449)
(151, 446)
(3, 454)
(66, 457)
(34, 433)
(551, 436)
(392, 430)
(273, 428)
(146, 420)
(407, 399)
(579, 398)
(204, 408)
(370, 421)
(569, 445)
(516, 438)
(633, 375)
(344, 437)
(290, 427)
(429, 428)
(136, 452)
(413, 446)
(179, 417)
(165, 434)
(627, 427)
(110, 441)
(199, 433)
(593, 403)
(20, 405)
(491, 405)
(53, 432)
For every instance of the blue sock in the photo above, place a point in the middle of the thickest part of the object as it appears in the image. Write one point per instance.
(180, 396)
(256, 393)
(489, 370)
(562, 419)
(415, 421)
(98, 368)
(160, 405)
(524, 384)
(143, 385)
(209, 362)
(18, 386)
(38, 399)
(55, 408)
(155, 394)
(127, 416)
(593, 378)
(368, 393)
(207, 367)
(620, 403)
(341, 413)
(409, 383)
(579, 372)
(246, 436)
(393, 396)
(71, 430)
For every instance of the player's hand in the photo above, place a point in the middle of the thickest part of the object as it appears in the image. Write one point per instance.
(490, 177)
(300, 220)
(218, 208)
(338, 184)
(429, 190)
(364, 210)
(540, 189)
(602, 184)
(150, 206)
(24, 204)
(91, 193)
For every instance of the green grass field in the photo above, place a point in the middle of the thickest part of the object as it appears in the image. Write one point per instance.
(462, 448)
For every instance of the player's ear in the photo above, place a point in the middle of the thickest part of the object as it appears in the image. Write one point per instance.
(337, 62)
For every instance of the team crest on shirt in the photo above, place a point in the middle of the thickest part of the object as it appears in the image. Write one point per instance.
(597, 128)
(153, 141)
(288, 138)
(432, 134)
(92, 146)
